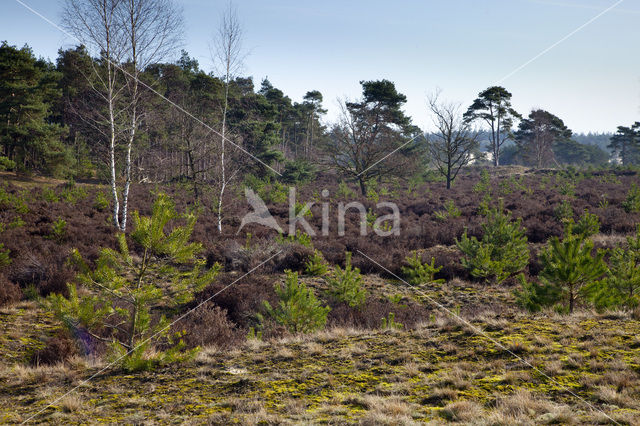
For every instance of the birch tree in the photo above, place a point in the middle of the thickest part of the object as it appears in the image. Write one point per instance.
(227, 56)
(128, 35)
(95, 24)
(152, 31)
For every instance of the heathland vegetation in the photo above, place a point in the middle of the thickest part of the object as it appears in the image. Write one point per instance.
(506, 289)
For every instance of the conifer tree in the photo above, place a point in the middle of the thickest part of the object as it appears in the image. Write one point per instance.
(621, 286)
(501, 252)
(298, 309)
(346, 284)
(570, 265)
(115, 302)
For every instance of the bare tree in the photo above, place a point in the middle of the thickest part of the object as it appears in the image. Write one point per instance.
(227, 56)
(128, 35)
(95, 24)
(152, 30)
(454, 142)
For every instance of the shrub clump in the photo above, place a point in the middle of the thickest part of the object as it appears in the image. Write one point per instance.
(421, 273)
(346, 284)
(621, 287)
(298, 309)
(502, 252)
(316, 266)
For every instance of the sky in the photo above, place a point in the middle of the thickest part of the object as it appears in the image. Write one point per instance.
(591, 80)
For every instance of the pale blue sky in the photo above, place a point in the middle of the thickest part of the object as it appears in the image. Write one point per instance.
(591, 80)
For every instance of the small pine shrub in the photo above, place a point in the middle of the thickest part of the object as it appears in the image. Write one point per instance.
(73, 193)
(567, 189)
(123, 289)
(5, 259)
(587, 226)
(450, 211)
(421, 273)
(569, 265)
(621, 287)
(298, 309)
(564, 211)
(49, 195)
(502, 252)
(58, 230)
(316, 266)
(632, 203)
(12, 201)
(101, 202)
(484, 185)
(533, 296)
(299, 207)
(299, 238)
(346, 284)
(344, 192)
(390, 323)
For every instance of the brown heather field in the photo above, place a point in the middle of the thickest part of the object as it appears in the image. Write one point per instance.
(465, 353)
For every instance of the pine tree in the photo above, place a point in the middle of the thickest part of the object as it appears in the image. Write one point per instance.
(346, 284)
(570, 265)
(298, 309)
(421, 273)
(621, 286)
(116, 299)
(503, 250)
(28, 89)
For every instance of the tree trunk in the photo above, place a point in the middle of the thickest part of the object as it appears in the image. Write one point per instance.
(363, 186)
(571, 300)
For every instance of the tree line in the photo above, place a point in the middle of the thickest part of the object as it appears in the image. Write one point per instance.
(116, 109)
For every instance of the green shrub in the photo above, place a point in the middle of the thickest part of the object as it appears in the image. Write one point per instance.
(12, 201)
(502, 252)
(299, 171)
(6, 164)
(484, 185)
(346, 284)
(298, 309)
(533, 296)
(49, 195)
(299, 238)
(570, 266)
(58, 230)
(621, 287)
(5, 260)
(344, 191)
(122, 290)
(632, 203)
(450, 211)
(587, 226)
(101, 202)
(390, 323)
(316, 266)
(299, 207)
(567, 189)
(564, 211)
(421, 273)
(73, 193)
